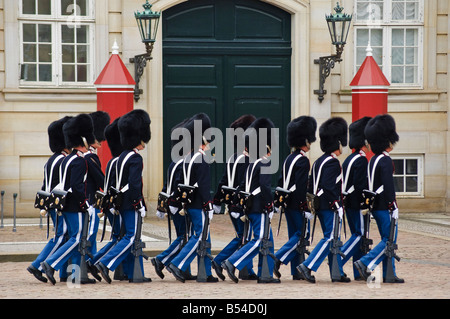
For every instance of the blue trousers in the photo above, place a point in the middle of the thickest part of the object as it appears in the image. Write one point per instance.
(288, 252)
(234, 244)
(352, 248)
(377, 254)
(114, 238)
(53, 244)
(187, 254)
(169, 254)
(69, 250)
(246, 253)
(92, 232)
(322, 249)
(122, 250)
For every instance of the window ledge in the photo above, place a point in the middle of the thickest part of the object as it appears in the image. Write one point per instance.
(398, 95)
(85, 94)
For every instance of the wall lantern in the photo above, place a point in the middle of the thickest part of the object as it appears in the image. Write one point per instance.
(338, 26)
(147, 22)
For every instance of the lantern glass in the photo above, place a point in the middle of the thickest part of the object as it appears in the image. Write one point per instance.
(147, 22)
(339, 26)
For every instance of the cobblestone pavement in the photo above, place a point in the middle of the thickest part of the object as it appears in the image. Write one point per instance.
(423, 239)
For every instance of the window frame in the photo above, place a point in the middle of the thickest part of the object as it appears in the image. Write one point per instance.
(387, 25)
(420, 174)
(56, 20)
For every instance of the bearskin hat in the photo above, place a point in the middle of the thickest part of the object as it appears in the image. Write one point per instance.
(357, 139)
(205, 124)
(56, 136)
(134, 128)
(76, 129)
(301, 131)
(242, 122)
(380, 132)
(101, 121)
(255, 130)
(112, 136)
(331, 132)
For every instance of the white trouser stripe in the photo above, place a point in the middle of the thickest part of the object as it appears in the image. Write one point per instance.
(255, 245)
(77, 240)
(128, 245)
(194, 249)
(325, 244)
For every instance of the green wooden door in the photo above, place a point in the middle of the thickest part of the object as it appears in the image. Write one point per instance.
(226, 58)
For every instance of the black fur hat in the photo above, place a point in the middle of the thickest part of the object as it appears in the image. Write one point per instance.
(76, 129)
(56, 135)
(112, 136)
(242, 122)
(301, 131)
(101, 121)
(205, 124)
(357, 139)
(331, 132)
(134, 128)
(254, 129)
(380, 132)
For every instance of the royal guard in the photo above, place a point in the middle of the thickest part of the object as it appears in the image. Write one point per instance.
(95, 178)
(290, 195)
(325, 200)
(78, 135)
(233, 176)
(194, 193)
(354, 171)
(51, 179)
(134, 128)
(112, 136)
(380, 198)
(169, 206)
(255, 197)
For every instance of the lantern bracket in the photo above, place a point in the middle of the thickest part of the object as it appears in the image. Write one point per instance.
(326, 64)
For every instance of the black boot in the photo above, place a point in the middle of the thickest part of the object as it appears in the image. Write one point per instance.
(396, 280)
(104, 271)
(49, 271)
(276, 268)
(305, 272)
(36, 273)
(270, 280)
(174, 270)
(218, 269)
(159, 266)
(362, 269)
(93, 270)
(230, 270)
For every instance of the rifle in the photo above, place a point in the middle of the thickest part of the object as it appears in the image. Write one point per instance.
(303, 242)
(203, 247)
(264, 249)
(366, 242)
(83, 249)
(163, 203)
(391, 246)
(138, 245)
(335, 250)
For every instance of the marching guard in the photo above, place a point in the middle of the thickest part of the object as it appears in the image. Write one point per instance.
(112, 136)
(51, 179)
(95, 177)
(193, 192)
(354, 171)
(291, 193)
(170, 206)
(255, 196)
(380, 198)
(325, 201)
(233, 176)
(78, 134)
(134, 128)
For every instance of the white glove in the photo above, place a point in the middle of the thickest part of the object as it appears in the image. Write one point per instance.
(91, 211)
(271, 214)
(43, 213)
(210, 214)
(173, 210)
(395, 213)
(341, 212)
(142, 212)
(159, 214)
(235, 215)
(309, 216)
(217, 209)
(278, 210)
